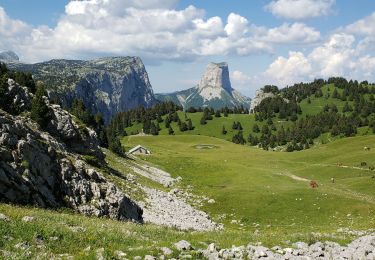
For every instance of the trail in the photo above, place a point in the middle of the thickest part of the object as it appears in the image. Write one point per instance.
(294, 177)
(335, 189)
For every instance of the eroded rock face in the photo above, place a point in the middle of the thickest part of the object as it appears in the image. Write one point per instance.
(217, 76)
(106, 86)
(37, 168)
(214, 90)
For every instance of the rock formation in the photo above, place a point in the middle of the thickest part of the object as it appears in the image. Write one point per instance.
(260, 95)
(9, 56)
(106, 86)
(214, 90)
(45, 168)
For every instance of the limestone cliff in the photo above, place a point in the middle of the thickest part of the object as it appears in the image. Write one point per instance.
(214, 90)
(106, 86)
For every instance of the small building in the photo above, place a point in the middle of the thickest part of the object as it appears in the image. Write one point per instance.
(139, 149)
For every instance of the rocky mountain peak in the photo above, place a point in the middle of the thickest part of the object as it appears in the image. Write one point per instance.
(217, 76)
(9, 56)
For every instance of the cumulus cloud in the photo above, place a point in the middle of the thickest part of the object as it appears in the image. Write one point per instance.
(285, 71)
(339, 55)
(290, 33)
(152, 29)
(300, 9)
(11, 31)
(238, 78)
(365, 26)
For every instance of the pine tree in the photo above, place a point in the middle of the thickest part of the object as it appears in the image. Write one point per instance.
(190, 124)
(256, 128)
(170, 130)
(203, 120)
(40, 112)
(224, 131)
(217, 113)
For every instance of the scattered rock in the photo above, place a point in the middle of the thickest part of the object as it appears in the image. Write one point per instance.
(211, 201)
(99, 254)
(120, 254)
(212, 248)
(3, 217)
(162, 208)
(166, 251)
(183, 245)
(27, 219)
(22, 245)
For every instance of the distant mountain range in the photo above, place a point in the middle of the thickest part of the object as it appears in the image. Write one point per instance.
(214, 90)
(116, 84)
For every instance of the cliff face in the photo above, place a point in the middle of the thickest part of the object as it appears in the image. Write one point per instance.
(45, 168)
(214, 90)
(106, 86)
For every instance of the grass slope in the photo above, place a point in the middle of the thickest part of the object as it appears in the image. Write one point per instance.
(272, 189)
(264, 191)
(213, 127)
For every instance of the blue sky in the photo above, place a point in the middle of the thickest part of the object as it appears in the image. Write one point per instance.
(264, 41)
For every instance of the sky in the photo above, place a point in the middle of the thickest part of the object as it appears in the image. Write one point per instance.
(278, 42)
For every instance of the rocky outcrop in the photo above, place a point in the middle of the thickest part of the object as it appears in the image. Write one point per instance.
(37, 168)
(9, 56)
(214, 90)
(260, 95)
(44, 168)
(106, 86)
(216, 76)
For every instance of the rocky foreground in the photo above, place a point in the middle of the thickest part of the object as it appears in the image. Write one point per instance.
(46, 168)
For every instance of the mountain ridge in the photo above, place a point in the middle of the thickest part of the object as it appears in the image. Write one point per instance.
(106, 85)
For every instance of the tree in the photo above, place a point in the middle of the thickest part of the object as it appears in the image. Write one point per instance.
(170, 130)
(346, 108)
(224, 131)
(217, 113)
(190, 124)
(114, 145)
(40, 112)
(256, 128)
(203, 120)
(335, 94)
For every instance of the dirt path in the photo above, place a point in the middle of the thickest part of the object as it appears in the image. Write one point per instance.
(294, 177)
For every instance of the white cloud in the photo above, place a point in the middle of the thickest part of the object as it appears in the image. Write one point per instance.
(297, 33)
(11, 31)
(365, 26)
(286, 71)
(238, 78)
(152, 29)
(300, 9)
(334, 57)
(237, 26)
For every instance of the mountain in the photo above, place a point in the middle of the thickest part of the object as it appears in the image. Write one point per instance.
(106, 85)
(9, 56)
(214, 90)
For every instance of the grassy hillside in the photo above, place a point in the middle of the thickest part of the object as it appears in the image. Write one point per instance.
(311, 105)
(264, 187)
(260, 196)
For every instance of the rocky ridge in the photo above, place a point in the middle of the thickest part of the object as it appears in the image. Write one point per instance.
(45, 168)
(214, 90)
(106, 85)
(9, 56)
